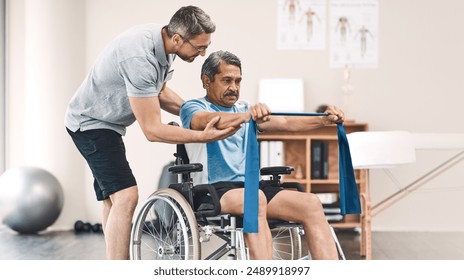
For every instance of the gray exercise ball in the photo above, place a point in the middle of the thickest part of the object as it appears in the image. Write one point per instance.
(31, 199)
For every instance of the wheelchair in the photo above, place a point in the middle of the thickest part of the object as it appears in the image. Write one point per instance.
(170, 225)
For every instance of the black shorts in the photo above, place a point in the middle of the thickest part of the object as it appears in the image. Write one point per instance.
(105, 153)
(269, 189)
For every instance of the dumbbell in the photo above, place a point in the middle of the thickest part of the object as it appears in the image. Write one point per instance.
(97, 228)
(80, 226)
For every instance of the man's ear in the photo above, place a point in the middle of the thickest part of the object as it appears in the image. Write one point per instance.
(206, 81)
(177, 40)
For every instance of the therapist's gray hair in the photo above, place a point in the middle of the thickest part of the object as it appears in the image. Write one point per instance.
(190, 21)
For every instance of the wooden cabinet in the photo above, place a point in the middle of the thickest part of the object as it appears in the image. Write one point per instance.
(297, 153)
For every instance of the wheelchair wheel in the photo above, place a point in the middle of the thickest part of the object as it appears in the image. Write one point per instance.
(286, 243)
(165, 228)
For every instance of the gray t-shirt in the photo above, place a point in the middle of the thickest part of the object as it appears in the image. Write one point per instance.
(134, 64)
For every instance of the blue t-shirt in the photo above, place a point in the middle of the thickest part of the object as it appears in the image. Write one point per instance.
(222, 160)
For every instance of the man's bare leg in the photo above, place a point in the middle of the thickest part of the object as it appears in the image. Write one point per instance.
(117, 219)
(260, 243)
(105, 211)
(306, 209)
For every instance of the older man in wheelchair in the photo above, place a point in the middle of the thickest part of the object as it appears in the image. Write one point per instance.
(209, 200)
(224, 161)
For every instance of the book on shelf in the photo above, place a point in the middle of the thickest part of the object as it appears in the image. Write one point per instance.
(325, 160)
(319, 159)
(332, 210)
(327, 198)
(271, 153)
(331, 206)
(316, 159)
(264, 153)
(276, 153)
(333, 213)
(334, 217)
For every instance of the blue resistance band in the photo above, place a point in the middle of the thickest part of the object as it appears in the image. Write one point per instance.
(349, 195)
(251, 200)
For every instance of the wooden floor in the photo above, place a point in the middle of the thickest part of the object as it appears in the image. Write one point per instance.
(407, 245)
(67, 245)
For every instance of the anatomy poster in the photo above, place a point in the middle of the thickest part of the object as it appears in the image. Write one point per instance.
(301, 24)
(353, 33)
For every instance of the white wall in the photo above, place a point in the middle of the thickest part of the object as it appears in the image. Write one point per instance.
(2, 85)
(416, 87)
(46, 63)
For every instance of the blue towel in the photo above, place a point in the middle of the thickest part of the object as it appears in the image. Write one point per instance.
(349, 195)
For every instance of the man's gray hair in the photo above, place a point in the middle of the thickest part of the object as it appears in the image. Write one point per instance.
(211, 65)
(190, 21)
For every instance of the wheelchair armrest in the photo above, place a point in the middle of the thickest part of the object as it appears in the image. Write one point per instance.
(186, 168)
(276, 170)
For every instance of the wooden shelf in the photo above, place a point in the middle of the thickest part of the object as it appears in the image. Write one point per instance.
(297, 153)
(324, 181)
(345, 225)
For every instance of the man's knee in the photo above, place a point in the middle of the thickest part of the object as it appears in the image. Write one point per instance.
(312, 201)
(313, 208)
(126, 197)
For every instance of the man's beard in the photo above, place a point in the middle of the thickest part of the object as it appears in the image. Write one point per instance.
(187, 58)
